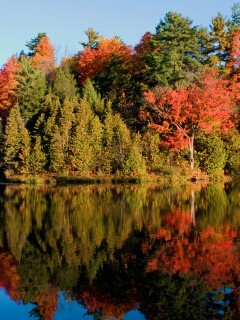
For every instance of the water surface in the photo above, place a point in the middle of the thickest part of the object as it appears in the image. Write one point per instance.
(120, 252)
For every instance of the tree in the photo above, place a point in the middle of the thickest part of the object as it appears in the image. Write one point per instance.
(43, 56)
(64, 85)
(37, 156)
(31, 89)
(234, 21)
(210, 152)
(34, 42)
(219, 42)
(17, 143)
(180, 113)
(8, 84)
(93, 39)
(175, 51)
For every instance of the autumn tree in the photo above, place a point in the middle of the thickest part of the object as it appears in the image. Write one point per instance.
(8, 84)
(43, 56)
(34, 42)
(180, 113)
(108, 66)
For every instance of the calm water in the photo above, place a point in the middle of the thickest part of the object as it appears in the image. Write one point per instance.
(94, 252)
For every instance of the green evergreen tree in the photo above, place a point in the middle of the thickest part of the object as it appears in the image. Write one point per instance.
(219, 41)
(81, 153)
(134, 165)
(234, 22)
(116, 142)
(64, 84)
(31, 90)
(96, 136)
(232, 147)
(93, 39)
(56, 152)
(154, 157)
(65, 121)
(17, 143)
(34, 42)
(210, 152)
(93, 98)
(175, 52)
(37, 157)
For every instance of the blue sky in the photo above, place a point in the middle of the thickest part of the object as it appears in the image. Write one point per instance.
(65, 21)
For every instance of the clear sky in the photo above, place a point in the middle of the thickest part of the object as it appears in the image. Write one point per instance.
(65, 21)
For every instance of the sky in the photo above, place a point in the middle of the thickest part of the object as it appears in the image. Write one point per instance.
(65, 21)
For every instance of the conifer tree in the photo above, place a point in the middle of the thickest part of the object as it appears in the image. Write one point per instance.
(134, 164)
(96, 136)
(116, 142)
(93, 98)
(31, 90)
(37, 157)
(64, 85)
(56, 152)
(81, 153)
(17, 142)
(175, 51)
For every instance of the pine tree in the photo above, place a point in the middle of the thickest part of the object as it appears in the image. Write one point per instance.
(37, 157)
(134, 164)
(81, 153)
(17, 143)
(31, 90)
(94, 99)
(64, 85)
(175, 51)
(56, 152)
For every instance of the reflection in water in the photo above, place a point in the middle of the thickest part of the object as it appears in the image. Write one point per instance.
(170, 254)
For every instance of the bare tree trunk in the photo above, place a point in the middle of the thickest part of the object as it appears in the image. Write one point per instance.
(191, 150)
(193, 207)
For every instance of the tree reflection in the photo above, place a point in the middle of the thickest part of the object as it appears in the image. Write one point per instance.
(167, 252)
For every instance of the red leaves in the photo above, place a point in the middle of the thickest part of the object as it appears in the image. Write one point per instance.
(181, 112)
(8, 83)
(210, 254)
(43, 57)
(93, 61)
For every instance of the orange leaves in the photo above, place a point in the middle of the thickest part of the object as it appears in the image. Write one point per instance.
(43, 57)
(8, 83)
(209, 254)
(93, 61)
(181, 112)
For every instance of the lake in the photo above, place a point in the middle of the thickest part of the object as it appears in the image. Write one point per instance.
(120, 252)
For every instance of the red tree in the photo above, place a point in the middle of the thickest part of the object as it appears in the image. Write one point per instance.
(44, 57)
(93, 61)
(180, 113)
(8, 83)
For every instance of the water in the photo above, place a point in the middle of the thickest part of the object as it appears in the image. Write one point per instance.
(120, 252)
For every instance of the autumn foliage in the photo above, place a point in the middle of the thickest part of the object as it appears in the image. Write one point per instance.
(211, 254)
(44, 57)
(8, 83)
(179, 113)
(93, 61)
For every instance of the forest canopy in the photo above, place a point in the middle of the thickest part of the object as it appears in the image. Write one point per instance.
(170, 102)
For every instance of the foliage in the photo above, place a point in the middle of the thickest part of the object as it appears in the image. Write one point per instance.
(31, 89)
(17, 143)
(93, 114)
(210, 153)
(8, 84)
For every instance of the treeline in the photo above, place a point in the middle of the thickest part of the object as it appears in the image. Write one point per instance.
(170, 101)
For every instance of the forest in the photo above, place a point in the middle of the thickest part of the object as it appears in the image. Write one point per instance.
(168, 107)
